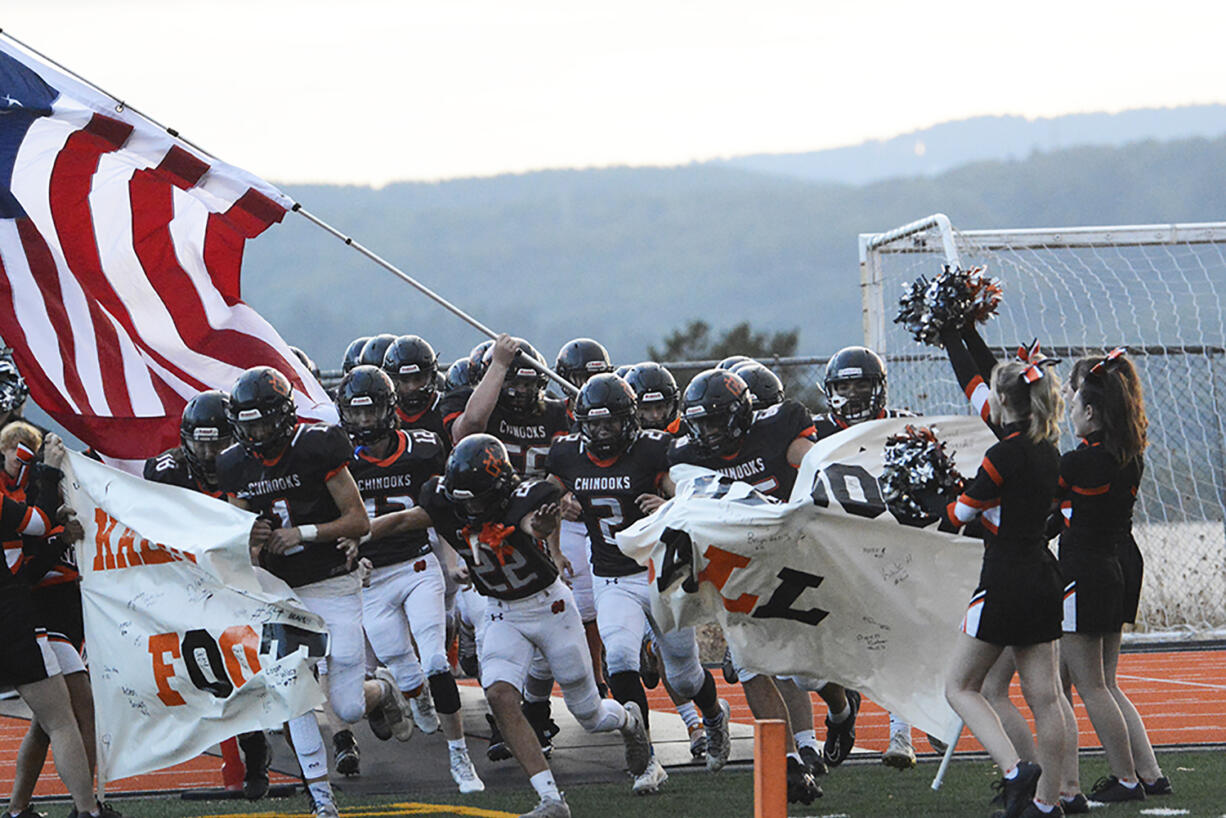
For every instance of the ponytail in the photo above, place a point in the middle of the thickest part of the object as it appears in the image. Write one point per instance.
(1112, 388)
(1038, 398)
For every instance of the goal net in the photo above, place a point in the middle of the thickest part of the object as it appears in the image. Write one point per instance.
(1156, 289)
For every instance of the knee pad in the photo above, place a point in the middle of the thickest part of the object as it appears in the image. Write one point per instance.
(445, 693)
(604, 715)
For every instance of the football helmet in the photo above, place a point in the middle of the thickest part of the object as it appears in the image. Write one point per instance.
(307, 362)
(478, 478)
(411, 364)
(716, 411)
(261, 411)
(855, 384)
(623, 370)
(605, 412)
(765, 388)
(656, 394)
(457, 375)
(582, 358)
(372, 350)
(732, 360)
(366, 399)
(523, 388)
(204, 432)
(353, 352)
(13, 389)
(476, 361)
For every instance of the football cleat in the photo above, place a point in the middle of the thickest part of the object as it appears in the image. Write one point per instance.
(395, 707)
(324, 807)
(649, 782)
(346, 753)
(728, 668)
(811, 757)
(802, 787)
(462, 771)
(900, 754)
(498, 749)
(841, 737)
(550, 808)
(424, 715)
(719, 738)
(698, 742)
(638, 746)
(649, 667)
(256, 758)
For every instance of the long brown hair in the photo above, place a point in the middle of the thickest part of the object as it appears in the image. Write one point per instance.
(1111, 387)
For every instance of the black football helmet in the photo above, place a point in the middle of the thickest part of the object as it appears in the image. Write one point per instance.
(765, 388)
(478, 478)
(353, 352)
(261, 412)
(523, 388)
(13, 389)
(865, 402)
(310, 365)
(716, 411)
(623, 370)
(582, 358)
(605, 412)
(732, 360)
(476, 361)
(411, 364)
(372, 350)
(204, 432)
(656, 394)
(366, 399)
(457, 375)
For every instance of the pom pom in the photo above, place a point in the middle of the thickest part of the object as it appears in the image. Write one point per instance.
(919, 475)
(955, 299)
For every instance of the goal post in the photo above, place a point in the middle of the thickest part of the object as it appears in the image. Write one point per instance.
(1157, 289)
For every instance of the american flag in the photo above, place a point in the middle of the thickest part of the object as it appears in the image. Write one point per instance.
(120, 258)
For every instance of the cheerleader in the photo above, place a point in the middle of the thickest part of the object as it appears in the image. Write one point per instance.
(1098, 486)
(1017, 602)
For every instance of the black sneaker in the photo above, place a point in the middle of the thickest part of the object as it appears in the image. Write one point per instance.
(498, 749)
(1032, 811)
(1109, 790)
(105, 810)
(729, 669)
(345, 750)
(256, 758)
(841, 737)
(813, 760)
(802, 788)
(29, 812)
(1160, 786)
(1077, 805)
(1019, 790)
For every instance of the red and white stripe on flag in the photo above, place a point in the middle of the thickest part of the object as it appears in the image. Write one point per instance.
(120, 281)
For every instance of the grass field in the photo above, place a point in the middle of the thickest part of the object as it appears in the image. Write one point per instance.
(862, 790)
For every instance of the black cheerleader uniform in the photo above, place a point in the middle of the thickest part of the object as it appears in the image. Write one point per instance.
(1096, 497)
(25, 656)
(1018, 598)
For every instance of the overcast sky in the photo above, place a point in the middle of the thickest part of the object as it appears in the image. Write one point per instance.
(372, 91)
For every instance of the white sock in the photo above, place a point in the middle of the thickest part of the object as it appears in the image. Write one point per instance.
(797, 757)
(842, 715)
(689, 714)
(897, 725)
(545, 786)
(457, 744)
(805, 738)
(321, 791)
(1131, 786)
(1044, 808)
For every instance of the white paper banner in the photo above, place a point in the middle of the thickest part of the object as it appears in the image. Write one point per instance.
(829, 585)
(188, 643)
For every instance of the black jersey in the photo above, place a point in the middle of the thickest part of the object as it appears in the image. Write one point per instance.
(762, 460)
(1013, 491)
(430, 419)
(171, 467)
(502, 560)
(606, 489)
(1096, 494)
(393, 484)
(828, 424)
(290, 490)
(527, 438)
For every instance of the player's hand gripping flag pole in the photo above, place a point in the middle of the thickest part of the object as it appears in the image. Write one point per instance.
(120, 255)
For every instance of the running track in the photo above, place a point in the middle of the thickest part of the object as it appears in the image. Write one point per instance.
(1181, 696)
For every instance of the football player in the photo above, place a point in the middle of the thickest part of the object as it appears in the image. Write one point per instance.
(497, 522)
(13, 392)
(204, 433)
(616, 471)
(353, 352)
(658, 399)
(296, 477)
(403, 603)
(374, 349)
(855, 387)
(763, 450)
(765, 388)
(577, 361)
(412, 365)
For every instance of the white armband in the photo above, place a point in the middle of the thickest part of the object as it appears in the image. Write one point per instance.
(308, 532)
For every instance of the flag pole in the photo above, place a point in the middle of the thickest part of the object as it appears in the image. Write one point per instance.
(567, 387)
(949, 754)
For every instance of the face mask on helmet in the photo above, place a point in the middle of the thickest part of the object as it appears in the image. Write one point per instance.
(718, 433)
(202, 448)
(414, 390)
(366, 420)
(857, 399)
(608, 434)
(656, 415)
(263, 433)
(523, 391)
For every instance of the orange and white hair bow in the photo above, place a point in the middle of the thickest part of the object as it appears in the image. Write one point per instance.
(1100, 368)
(1035, 361)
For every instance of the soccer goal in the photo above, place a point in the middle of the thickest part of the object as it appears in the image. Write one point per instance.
(1157, 289)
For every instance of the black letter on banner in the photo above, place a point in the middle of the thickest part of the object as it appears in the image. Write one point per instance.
(678, 555)
(820, 498)
(289, 638)
(871, 506)
(779, 606)
(201, 640)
